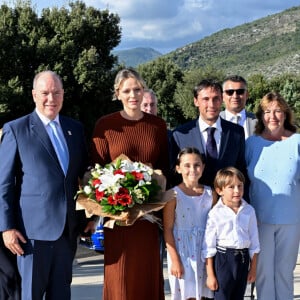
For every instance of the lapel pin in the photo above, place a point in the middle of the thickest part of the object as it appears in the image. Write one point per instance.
(69, 132)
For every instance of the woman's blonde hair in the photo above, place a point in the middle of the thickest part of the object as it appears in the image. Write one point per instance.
(125, 74)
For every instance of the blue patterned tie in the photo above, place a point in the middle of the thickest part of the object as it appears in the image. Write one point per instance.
(211, 145)
(60, 146)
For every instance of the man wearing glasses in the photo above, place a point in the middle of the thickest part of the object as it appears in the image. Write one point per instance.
(235, 95)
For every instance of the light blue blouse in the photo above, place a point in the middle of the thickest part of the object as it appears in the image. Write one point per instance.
(274, 171)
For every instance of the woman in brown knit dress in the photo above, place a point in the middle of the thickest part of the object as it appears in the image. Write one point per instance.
(132, 267)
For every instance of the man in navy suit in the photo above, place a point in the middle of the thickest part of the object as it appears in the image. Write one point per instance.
(229, 137)
(38, 219)
(235, 95)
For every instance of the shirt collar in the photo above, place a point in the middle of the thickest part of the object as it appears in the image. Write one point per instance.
(203, 125)
(220, 203)
(230, 116)
(45, 120)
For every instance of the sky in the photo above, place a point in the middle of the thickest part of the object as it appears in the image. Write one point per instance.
(166, 25)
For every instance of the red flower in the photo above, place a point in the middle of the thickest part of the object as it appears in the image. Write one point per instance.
(123, 197)
(137, 175)
(111, 200)
(96, 182)
(125, 200)
(118, 172)
(99, 195)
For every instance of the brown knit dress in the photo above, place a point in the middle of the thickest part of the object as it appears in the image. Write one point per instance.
(132, 267)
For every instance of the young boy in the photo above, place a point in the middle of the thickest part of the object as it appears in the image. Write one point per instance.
(231, 238)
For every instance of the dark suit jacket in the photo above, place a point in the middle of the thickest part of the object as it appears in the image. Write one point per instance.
(232, 147)
(36, 197)
(250, 120)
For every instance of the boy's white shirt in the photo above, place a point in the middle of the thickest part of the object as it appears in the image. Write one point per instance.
(228, 229)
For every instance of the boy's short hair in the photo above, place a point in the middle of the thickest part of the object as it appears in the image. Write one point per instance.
(225, 176)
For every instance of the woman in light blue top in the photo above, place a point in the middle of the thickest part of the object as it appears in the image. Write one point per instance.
(273, 164)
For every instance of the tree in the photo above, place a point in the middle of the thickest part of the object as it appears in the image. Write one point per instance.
(162, 75)
(258, 87)
(288, 85)
(76, 43)
(184, 91)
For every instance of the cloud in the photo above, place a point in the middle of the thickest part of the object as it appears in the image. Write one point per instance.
(155, 23)
(169, 24)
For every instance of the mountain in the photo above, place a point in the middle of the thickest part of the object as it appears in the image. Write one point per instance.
(270, 46)
(136, 56)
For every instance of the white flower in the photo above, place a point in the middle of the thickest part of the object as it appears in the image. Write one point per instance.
(138, 195)
(141, 183)
(147, 169)
(147, 176)
(95, 173)
(109, 181)
(107, 170)
(87, 189)
(111, 189)
(127, 166)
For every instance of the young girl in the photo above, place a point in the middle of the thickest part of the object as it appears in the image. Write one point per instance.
(184, 225)
(231, 238)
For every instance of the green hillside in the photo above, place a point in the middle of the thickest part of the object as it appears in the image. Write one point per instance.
(270, 45)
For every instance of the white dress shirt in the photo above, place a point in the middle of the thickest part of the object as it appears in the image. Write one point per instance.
(46, 122)
(232, 118)
(228, 229)
(203, 133)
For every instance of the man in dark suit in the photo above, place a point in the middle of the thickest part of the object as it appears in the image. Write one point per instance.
(235, 96)
(38, 219)
(229, 137)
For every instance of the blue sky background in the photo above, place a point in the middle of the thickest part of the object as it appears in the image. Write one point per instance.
(166, 25)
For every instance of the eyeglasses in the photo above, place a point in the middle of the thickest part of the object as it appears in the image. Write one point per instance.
(238, 92)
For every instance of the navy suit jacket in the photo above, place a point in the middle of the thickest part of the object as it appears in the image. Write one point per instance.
(232, 147)
(36, 197)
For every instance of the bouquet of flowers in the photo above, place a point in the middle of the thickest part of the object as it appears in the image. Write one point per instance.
(122, 190)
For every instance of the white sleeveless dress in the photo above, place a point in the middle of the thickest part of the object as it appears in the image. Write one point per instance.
(189, 226)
